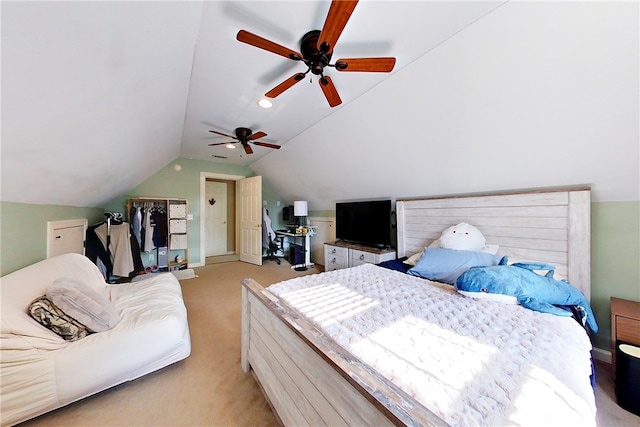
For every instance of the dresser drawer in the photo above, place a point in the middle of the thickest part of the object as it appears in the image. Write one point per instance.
(330, 266)
(628, 330)
(330, 250)
(362, 257)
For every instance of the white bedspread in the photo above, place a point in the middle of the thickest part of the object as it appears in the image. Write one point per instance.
(470, 362)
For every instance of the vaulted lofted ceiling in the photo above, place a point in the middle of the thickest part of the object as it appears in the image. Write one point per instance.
(98, 96)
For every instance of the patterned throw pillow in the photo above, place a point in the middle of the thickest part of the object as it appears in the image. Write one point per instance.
(51, 317)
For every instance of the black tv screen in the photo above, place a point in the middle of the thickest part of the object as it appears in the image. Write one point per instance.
(365, 222)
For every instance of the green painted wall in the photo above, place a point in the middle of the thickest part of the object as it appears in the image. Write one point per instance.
(615, 260)
(182, 184)
(615, 254)
(23, 231)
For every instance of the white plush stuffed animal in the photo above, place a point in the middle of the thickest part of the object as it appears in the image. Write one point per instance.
(464, 237)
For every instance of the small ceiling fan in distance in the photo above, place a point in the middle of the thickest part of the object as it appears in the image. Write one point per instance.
(245, 136)
(317, 48)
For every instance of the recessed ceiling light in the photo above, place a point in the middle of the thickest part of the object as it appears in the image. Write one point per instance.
(265, 103)
(230, 145)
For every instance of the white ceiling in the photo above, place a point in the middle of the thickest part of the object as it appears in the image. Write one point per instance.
(229, 77)
(98, 96)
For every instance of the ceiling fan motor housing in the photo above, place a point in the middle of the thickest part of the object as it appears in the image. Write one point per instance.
(315, 58)
(243, 133)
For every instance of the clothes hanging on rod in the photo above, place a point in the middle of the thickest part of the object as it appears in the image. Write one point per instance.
(136, 223)
(112, 247)
(119, 249)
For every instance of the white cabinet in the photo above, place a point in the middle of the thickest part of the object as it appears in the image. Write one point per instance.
(339, 255)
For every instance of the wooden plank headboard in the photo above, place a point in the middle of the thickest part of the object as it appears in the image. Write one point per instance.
(549, 225)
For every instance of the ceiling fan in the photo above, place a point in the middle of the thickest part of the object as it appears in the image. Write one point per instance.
(245, 136)
(317, 47)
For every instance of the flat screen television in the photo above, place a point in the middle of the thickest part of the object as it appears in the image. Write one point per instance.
(364, 222)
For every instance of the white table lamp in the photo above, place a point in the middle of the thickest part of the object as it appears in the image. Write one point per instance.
(300, 209)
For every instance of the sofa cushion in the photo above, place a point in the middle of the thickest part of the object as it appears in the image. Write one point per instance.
(83, 303)
(51, 317)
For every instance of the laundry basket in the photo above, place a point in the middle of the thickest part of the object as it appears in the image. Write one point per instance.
(628, 377)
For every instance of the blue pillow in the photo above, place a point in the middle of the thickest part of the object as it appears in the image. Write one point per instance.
(445, 265)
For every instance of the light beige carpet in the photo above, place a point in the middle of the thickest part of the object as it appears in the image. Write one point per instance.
(209, 388)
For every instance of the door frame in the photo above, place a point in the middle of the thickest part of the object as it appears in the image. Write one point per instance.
(203, 180)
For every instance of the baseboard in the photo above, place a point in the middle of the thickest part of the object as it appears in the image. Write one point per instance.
(601, 355)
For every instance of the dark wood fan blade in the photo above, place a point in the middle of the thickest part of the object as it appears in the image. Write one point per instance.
(257, 135)
(262, 43)
(223, 143)
(339, 13)
(330, 91)
(247, 149)
(373, 65)
(266, 144)
(223, 134)
(284, 85)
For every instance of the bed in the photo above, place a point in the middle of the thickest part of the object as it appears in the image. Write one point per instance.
(322, 365)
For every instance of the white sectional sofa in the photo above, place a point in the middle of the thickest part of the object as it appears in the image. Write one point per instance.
(40, 371)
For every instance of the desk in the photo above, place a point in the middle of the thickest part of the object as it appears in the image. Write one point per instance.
(294, 238)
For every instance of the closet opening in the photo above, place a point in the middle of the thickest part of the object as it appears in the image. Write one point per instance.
(220, 220)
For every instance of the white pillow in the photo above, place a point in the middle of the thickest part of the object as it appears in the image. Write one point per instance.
(490, 249)
(413, 259)
(462, 237)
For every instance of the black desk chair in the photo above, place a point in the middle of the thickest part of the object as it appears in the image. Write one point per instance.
(267, 238)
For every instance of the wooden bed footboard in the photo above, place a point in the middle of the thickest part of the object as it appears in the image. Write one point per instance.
(308, 379)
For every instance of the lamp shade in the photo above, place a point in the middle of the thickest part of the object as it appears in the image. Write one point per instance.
(300, 208)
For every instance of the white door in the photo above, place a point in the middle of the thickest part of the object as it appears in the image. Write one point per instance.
(66, 236)
(216, 218)
(250, 214)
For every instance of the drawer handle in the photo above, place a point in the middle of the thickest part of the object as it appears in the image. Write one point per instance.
(333, 251)
(334, 259)
(361, 257)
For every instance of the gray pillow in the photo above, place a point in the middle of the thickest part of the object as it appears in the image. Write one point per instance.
(84, 304)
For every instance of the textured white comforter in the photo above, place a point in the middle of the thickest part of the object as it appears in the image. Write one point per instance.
(471, 362)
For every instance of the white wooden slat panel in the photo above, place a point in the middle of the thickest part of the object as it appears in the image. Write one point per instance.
(579, 251)
(492, 233)
(551, 227)
(516, 199)
(283, 403)
(288, 377)
(440, 223)
(317, 410)
(500, 212)
(329, 384)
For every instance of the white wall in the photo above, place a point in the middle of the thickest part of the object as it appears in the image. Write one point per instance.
(535, 94)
